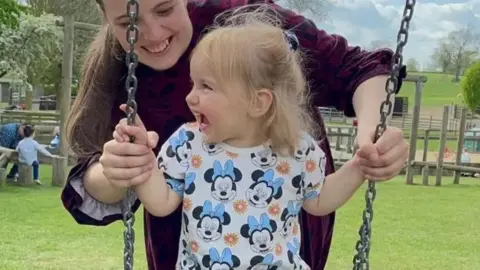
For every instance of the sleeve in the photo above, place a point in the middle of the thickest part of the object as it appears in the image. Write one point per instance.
(82, 206)
(335, 68)
(42, 149)
(313, 168)
(174, 159)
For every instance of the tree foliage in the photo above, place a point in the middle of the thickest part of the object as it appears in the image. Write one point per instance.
(471, 87)
(82, 11)
(412, 64)
(458, 51)
(318, 8)
(10, 11)
(379, 44)
(28, 52)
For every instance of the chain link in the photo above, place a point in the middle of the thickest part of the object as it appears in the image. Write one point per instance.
(131, 84)
(361, 259)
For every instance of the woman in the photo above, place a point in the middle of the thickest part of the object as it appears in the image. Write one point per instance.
(10, 135)
(342, 76)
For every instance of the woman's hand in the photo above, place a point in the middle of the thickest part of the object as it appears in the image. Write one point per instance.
(384, 159)
(125, 163)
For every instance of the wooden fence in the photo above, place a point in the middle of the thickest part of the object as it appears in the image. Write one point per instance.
(44, 122)
(333, 116)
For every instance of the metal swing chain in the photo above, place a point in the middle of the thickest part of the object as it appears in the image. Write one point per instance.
(361, 259)
(131, 84)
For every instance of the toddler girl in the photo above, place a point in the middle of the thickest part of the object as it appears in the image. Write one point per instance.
(247, 166)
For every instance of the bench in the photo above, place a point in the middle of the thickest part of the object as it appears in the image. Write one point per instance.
(59, 165)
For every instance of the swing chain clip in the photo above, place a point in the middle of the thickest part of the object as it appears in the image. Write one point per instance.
(361, 259)
(131, 84)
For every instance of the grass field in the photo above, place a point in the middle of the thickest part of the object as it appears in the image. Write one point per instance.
(414, 227)
(439, 90)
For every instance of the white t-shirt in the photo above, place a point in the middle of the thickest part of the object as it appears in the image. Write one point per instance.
(240, 205)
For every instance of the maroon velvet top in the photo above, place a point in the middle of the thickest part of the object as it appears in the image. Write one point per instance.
(335, 71)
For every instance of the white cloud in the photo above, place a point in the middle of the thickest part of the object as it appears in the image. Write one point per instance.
(363, 21)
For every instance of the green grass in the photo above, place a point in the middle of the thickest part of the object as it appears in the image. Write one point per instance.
(434, 145)
(414, 227)
(439, 90)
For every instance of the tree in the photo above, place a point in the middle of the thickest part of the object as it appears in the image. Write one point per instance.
(412, 64)
(10, 11)
(471, 87)
(82, 11)
(378, 44)
(28, 52)
(318, 8)
(457, 51)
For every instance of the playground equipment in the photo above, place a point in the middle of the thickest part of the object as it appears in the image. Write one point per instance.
(361, 259)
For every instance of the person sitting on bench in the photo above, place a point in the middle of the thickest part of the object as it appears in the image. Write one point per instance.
(10, 136)
(27, 150)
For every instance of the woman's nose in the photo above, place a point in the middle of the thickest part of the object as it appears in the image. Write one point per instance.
(152, 30)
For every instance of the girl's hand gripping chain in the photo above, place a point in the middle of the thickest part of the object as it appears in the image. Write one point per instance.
(128, 164)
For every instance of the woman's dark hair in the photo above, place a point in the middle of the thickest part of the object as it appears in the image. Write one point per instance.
(88, 124)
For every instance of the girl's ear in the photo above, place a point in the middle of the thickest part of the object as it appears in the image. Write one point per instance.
(261, 103)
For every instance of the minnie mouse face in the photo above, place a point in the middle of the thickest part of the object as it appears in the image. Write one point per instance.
(210, 221)
(264, 159)
(188, 261)
(161, 165)
(289, 218)
(180, 147)
(223, 181)
(265, 188)
(264, 263)
(259, 234)
(303, 150)
(293, 254)
(212, 149)
(185, 223)
(214, 261)
(304, 192)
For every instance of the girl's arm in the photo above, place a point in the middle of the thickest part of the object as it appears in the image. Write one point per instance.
(337, 189)
(157, 197)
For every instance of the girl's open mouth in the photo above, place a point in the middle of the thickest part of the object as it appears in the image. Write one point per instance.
(204, 123)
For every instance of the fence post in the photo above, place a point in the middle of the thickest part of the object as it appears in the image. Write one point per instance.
(461, 136)
(67, 66)
(25, 175)
(441, 151)
(3, 178)
(425, 144)
(339, 140)
(350, 141)
(59, 171)
(414, 131)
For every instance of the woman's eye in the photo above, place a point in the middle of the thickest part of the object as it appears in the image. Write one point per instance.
(164, 12)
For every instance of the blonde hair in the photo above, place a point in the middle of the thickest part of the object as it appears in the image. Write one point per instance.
(251, 49)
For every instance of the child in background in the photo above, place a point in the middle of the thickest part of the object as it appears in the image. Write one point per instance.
(247, 166)
(27, 150)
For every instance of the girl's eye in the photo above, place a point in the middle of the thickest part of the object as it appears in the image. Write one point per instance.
(164, 12)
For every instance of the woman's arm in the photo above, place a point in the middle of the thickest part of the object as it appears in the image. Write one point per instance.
(366, 102)
(97, 185)
(89, 197)
(338, 70)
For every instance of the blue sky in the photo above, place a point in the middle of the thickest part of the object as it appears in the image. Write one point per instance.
(362, 21)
